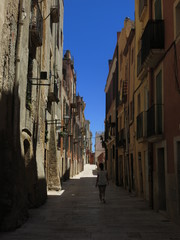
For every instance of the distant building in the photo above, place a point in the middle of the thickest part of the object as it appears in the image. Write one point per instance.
(101, 158)
(92, 158)
(98, 146)
(142, 130)
(87, 141)
(44, 136)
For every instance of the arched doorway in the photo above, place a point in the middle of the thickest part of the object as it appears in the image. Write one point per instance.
(31, 171)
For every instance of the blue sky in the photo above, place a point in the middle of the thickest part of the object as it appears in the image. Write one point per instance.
(90, 33)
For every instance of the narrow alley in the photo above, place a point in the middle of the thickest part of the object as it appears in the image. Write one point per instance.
(76, 213)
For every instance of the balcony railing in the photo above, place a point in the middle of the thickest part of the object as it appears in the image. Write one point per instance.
(155, 121)
(152, 43)
(142, 5)
(36, 25)
(55, 11)
(53, 93)
(141, 126)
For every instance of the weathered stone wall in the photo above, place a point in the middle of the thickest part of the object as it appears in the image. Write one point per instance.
(53, 176)
(22, 179)
(7, 45)
(13, 195)
(22, 130)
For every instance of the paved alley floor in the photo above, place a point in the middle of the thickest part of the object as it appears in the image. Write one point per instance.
(76, 213)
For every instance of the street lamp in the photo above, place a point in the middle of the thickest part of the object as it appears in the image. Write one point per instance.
(66, 120)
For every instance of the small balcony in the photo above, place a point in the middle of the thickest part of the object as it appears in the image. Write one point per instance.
(36, 25)
(53, 93)
(55, 11)
(73, 102)
(122, 139)
(142, 8)
(152, 48)
(155, 123)
(141, 126)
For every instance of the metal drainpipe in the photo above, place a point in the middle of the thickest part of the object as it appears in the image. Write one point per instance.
(17, 67)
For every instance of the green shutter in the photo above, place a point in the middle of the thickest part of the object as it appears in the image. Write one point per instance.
(159, 103)
(159, 88)
(157, 6)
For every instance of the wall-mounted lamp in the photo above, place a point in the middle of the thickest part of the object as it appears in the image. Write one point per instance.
(66, 120)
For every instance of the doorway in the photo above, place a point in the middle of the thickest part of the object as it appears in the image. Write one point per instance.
(132, 173)
(178, 172)
(30, 171)
(161, 179)
(146, 174)
(120, 166)
(140, 173)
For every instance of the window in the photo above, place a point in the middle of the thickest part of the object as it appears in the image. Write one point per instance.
(120, 123)
(139, 103)
(157, 9)
(58, 35)
(29, 85)
(146, 98)
(159, 119)
(113, 151)
(131, 111)
(177, 19)
(132, 56)
(126, 72)
(159, 88)
(61, 38)
(121, 58)
(142, 5)
(59, 141)
(60, 88)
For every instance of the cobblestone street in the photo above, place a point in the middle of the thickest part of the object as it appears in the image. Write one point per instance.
(76, 213)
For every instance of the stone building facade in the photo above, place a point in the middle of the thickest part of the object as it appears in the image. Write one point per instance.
(147, 160)
(125, 78)
(28, 56)
(12, 181)
(98, 147)
(110, 120)
(157, 80)
(87, 141)
(33, 114)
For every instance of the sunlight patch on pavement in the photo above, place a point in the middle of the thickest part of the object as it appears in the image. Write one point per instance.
(55, 193)
(87, 172)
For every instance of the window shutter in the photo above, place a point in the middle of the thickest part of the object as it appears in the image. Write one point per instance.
(158, 13)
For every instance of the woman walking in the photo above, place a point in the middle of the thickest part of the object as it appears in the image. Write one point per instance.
(101, 182)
